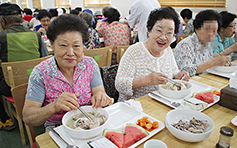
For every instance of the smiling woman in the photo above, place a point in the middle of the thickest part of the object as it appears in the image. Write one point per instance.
(133, 79)
(68, 70)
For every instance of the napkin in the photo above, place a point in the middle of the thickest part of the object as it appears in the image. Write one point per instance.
(135, 104)
(233, 83)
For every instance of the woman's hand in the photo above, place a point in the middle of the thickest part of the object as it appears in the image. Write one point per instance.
(101, 99)
(66, 101)
(157, 78)
(220, 60)
(42, 30)
(182, 74)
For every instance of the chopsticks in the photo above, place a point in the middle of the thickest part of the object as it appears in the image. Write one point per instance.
(169, 80)
(83, 112)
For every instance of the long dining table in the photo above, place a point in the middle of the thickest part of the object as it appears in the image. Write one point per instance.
(220, 115)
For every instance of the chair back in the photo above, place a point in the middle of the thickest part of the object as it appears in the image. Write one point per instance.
(102, 56)
(108, 74)
(120, 51)
(17, 73)
(18, 94)
(180, 37)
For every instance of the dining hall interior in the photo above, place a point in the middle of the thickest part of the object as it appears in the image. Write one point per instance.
(159, 73)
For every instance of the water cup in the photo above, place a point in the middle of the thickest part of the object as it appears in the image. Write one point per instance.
(153, 143)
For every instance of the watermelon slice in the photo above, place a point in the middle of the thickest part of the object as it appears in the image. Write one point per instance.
(206, 96)
(132, 134)
(115, 136)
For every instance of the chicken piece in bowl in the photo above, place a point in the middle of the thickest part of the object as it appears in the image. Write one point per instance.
(174, 91)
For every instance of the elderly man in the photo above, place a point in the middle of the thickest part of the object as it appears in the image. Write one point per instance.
(17, 43)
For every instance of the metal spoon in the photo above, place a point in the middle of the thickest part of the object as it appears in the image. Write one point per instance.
(175, 104)
(57, 134)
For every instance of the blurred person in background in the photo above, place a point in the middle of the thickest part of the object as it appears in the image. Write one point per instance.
(97, 16)
(94, 40)
(35, 20)
(194, 53)
(17, 44)
(187, 14)
(79, 9)
(114, 33)
(75, 12)
(28, 14)
(44, 18)
(224, 43)
(54, 13)
(139, 13)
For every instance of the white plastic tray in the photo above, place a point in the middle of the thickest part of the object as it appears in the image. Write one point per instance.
(234, 121)
(120, 114)
(223, 74)
(196, 87)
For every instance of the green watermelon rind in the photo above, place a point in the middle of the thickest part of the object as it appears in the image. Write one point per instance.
(138, 127)
(111, 130)
(194, 94)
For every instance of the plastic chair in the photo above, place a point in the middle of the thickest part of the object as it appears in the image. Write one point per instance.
(180, 37)
(120, 51)
(15, 74)
(102, 56)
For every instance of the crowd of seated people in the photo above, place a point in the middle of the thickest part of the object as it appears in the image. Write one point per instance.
(213, 43)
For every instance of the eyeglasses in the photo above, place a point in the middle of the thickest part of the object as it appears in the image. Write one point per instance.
(47, 20)
(232, 26)
(167, 35)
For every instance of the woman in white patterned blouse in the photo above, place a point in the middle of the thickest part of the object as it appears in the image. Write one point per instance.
(133, 78)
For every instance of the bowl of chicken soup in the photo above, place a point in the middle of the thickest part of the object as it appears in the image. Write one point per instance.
(226, 68)
(78, 126)
(174, 91)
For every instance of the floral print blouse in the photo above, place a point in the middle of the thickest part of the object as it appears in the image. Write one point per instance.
(94, 40)
(115, 34)
(189, 53)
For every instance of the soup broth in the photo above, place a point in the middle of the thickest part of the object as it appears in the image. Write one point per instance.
(80, 122)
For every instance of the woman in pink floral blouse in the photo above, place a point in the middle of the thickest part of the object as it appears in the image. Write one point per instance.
(114, 33)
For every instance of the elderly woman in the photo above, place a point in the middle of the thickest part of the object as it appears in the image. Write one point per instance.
(67, 80)
(94, 40)
(114, 33)
(44, 18)
(223, 42)
(133, 78)
(194, 53)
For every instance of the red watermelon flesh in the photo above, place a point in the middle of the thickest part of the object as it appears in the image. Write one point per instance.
(132, 134)
(205, 96)
(115, 136)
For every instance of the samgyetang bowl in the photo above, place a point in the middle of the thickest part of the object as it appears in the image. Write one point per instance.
(227, 69)
(84, 134)
(174, 116)
(175, 94)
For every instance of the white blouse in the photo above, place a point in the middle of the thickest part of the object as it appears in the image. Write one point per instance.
(134, 64)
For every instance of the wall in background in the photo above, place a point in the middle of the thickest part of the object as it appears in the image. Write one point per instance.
(124, 5)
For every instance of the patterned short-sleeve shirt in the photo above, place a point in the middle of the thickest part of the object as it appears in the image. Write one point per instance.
(189, 53)
(46, 84)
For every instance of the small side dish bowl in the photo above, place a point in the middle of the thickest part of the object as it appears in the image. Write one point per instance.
(227, 69)
(84, 134)
(174, 116)
(176, 94)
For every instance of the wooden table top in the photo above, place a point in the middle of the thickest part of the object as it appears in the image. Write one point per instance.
(221, 116)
